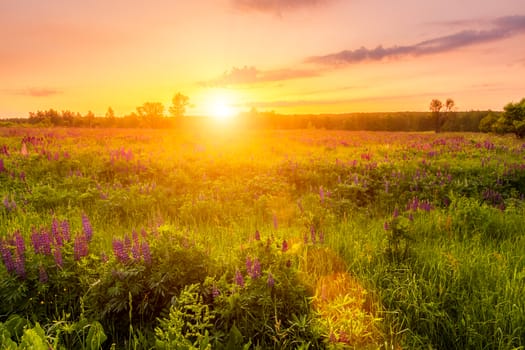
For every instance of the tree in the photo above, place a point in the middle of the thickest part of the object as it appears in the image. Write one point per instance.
(179, 102)
(435, 108)
(513, 118)
(151, 113)
(440, 118)
(90, 118)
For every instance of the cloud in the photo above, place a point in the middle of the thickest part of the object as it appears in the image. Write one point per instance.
(277, 6)
(500, 28)
(251, 75)
(35, 92)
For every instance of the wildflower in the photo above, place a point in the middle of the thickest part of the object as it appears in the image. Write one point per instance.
(248, 265)
(120, 251)
(80, 247)
(285, 246)
(7, 257)
(257, 235)
(86, 227)
(396, 213)
(275, 225)
(321, 236)
(386, 226)
(66, 233)
(55, 232)
(215, 292)
(19, 263)
(239, 280)
(19, 243)
(256, 269)
(270, 281)
(321, 194)
(312, 233)
(146, 254)
(2, 166)
(45, 243)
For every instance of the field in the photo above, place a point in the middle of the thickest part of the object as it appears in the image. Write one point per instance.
(311, 239)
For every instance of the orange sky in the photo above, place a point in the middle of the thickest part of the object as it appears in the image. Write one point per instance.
(293, 56)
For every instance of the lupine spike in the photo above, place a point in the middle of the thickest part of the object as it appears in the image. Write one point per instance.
(86, 227)
(146, 253)
(239, 280)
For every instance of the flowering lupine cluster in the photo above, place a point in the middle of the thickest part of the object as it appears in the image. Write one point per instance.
(13, 254)
(253, 268)
(2, 166)
(416, 204)
(121, 154)
(132, 249)
(315, 236)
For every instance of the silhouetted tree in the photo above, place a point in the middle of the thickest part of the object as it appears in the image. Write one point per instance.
(439, 117)
(179, 103)
(151, 113)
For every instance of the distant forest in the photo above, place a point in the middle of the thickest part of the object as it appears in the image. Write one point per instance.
(390, 121)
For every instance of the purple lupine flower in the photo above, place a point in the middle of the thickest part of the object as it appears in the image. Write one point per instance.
(285, 246)
(55, 232)
(135, 249)
(86, 227)
(7, 257)
(312, 233)
(19, 243)
(257, 235)
(2, 166)
(386, 226)
(256, 269)
(396, 213)
(321, 194)
(305, 238)
(66, 233)
(321, 236)
(120, 251)
(270, 281)
(80, 247)
(57, 254)
(146, 253)
(127, 245)
(20, 267)
(215, 292)
(249, 265)
(35, 239)
(6, 203)
(42, 274)
(239, 280)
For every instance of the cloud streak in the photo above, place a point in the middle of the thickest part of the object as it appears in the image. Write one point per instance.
(35, 92)
(500, 28)
(251, 75)
(277, 6)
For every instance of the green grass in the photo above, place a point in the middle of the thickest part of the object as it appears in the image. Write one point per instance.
(448, 272)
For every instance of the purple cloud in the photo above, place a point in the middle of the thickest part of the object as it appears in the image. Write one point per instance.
(500, 28)
(251, 75)
(276, 6)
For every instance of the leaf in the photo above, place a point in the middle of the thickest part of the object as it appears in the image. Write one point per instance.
(96, 336)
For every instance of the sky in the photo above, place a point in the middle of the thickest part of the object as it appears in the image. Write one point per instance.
(287, 56)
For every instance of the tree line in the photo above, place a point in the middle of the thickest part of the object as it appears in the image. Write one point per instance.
(441, 118)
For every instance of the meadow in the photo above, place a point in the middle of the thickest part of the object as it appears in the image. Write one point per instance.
(231, 239)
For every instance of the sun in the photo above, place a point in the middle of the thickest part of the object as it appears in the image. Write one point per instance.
(221, 110)
(221, 106)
